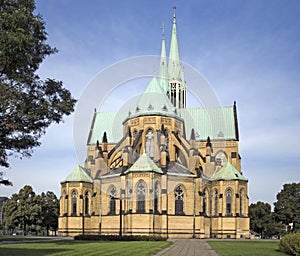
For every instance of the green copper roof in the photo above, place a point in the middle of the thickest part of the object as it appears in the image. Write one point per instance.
(163, 68)
(174, 53)
(215, 122)
(227, 172)
(144, 163)
(78, 175)
(153, 101)
(175, 70)
(109, 122)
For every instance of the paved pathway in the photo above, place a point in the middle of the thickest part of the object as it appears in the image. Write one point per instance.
(188, 247)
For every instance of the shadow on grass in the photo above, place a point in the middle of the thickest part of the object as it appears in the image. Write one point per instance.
(31, 251)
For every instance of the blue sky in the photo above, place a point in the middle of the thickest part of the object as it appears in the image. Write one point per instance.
(249, 52)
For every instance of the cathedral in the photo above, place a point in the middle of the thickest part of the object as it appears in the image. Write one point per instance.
(172, 171)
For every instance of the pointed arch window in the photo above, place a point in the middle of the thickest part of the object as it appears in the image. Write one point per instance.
(87, 201)
(241, 202)
(204, 205)
(150, 143)
(220, 159)
(179, 201)
(156, 194)
(74, 202)
(141, 191)
(65, 200)
(228, 202)
(216, 201)
(112, 201)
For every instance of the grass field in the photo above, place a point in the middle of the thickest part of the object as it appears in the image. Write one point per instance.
(79, 248)
(246, 248)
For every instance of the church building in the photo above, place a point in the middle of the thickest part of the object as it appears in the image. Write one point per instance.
(173, 171)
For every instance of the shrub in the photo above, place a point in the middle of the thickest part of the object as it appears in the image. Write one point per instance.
(290, 244)
(119, 238)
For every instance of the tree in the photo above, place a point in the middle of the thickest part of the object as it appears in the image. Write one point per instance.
(23, 209)
(287, 207)
(262, 220)
(28, 104)
(50, 211)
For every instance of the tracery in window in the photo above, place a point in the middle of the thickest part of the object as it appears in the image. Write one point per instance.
(65, 200)
(86, 206)
(228, 202)
(74, 202)
(150, 143)
(179, 201)
(112, 201)
(204, 202)
(216, 199)
(141, 191)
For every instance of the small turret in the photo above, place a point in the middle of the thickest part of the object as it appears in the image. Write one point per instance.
(104, 142)
(193, 139)
(208, 150)
(126, 156)
(163, 158)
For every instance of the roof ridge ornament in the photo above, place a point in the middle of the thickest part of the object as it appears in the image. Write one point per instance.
(174, 14)
(163, 31)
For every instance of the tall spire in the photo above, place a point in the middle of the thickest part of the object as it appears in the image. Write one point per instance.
(174, 68)
(163, 68)
(177, 88)
(174, 63)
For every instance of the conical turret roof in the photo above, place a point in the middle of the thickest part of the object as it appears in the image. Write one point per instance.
(227, 172)
(144, 163)
(78, 175)
(154, 101)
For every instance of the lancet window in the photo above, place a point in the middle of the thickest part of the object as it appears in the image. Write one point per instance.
(141, 191)
(74, 202)
(112, 201)
(179, 200)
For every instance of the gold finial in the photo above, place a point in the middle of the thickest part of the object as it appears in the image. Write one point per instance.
(174, 8)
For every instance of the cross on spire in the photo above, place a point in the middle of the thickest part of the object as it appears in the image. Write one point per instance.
(163, 30)
(174, 8)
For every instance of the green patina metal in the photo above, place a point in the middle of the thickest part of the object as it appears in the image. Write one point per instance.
(78, 175)
(143, 164)
(163, 78)
(227, 172)
(217, 122)
(174, 68)
(153, 101)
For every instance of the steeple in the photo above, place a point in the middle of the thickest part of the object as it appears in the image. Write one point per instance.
(177, 90)
(163, 67)
(174, 54)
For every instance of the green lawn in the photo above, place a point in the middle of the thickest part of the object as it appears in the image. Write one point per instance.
(246, 248)
(21, 238)
(86, 248)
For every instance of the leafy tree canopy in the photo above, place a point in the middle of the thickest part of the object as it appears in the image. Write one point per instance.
(49, 211)
(259, 214)
(287, 206)
(28, 104)
(23, 209)
(26, 208)
(262, 220)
